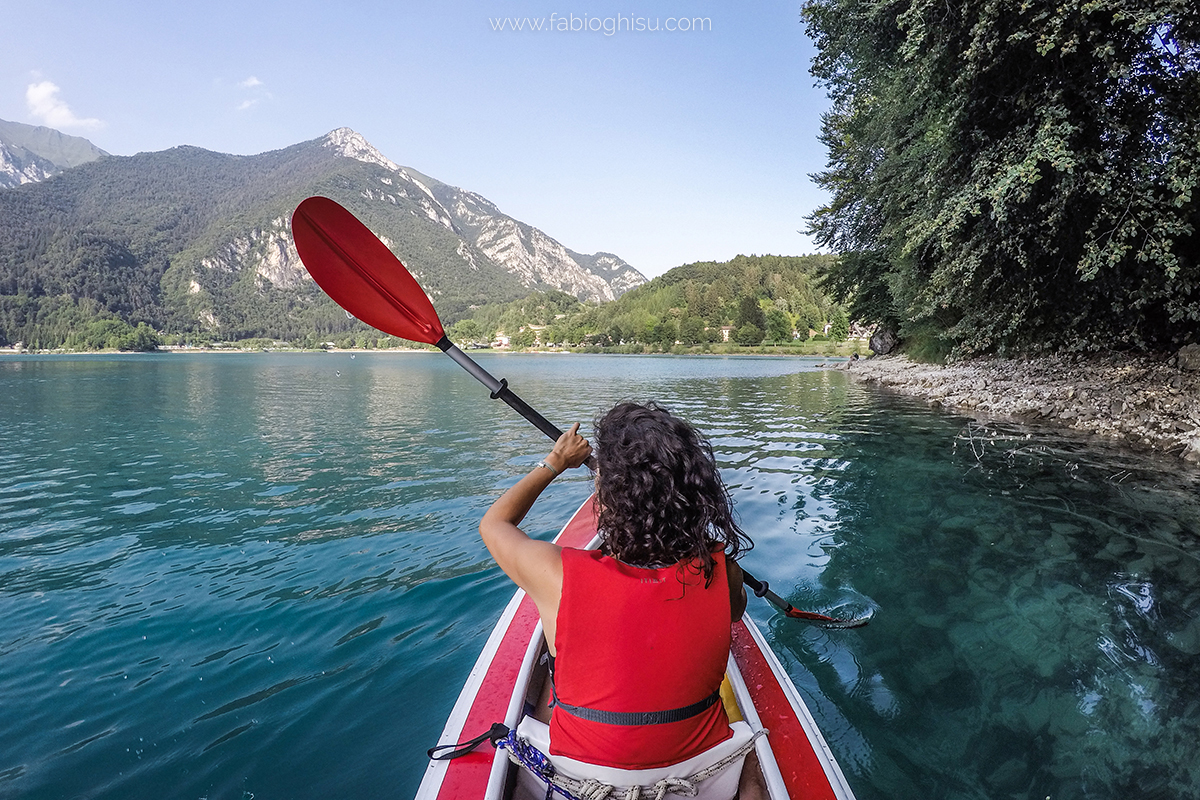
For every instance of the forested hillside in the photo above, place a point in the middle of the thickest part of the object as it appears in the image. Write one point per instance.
(1014, 177)
(188, 245)
(772, 298)
(164, 238)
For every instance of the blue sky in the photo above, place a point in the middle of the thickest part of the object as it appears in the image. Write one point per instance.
(664, 147)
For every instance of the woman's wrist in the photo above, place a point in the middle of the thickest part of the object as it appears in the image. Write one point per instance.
(555, 463)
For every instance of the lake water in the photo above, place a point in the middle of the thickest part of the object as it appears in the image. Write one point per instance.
(226, 576)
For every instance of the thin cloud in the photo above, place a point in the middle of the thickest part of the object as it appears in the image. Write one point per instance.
(254, 93)
(46, 106)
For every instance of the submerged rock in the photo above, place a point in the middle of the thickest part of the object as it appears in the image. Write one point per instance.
(1011, 776)
(1188, 639)
(1188, 358)
(1058, 546)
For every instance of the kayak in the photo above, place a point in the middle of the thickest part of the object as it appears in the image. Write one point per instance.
(795, 759)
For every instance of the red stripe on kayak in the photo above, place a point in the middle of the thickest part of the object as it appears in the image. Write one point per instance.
(581, 529)
(803, 773)
(467, 776)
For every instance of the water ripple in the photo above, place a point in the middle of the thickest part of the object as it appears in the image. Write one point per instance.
(235, 574)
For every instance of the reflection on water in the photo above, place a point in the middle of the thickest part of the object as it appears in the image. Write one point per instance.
(261, 574)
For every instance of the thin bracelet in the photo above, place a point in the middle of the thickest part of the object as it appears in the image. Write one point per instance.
(547, 466)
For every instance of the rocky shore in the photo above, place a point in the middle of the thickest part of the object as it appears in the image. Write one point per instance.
(1147, 402)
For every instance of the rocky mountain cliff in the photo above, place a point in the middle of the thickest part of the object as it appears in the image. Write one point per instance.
(29, 154)
(191, 240)
(532, 256)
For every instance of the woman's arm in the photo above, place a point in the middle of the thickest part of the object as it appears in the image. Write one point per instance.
(534, 565)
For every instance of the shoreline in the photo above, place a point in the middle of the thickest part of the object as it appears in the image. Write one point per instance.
(837, 353)
(1140, 401)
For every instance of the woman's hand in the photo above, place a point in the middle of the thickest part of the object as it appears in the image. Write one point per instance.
(569, 451)
(533, 564)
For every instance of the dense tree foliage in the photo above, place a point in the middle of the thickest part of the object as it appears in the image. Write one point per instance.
(1014, 176)
(756, 296)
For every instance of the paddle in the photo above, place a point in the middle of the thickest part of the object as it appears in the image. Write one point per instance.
(762, 589)
(364, 277)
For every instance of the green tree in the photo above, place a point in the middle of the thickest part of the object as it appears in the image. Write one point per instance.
(523, 338)
(144, 338)
(691, 331)
(748, 335)
(1017, 177)
(779, 325)
(712, 306)
(809, 319)
(664, 332)
(465, 330)
(105, 334)
(749, 312)
(839, 325)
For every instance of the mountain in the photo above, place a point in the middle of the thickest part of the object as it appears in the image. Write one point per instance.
(535, 258)
(192, 241)
(29, 154)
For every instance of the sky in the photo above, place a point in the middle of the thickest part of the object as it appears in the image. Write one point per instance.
(664, 147)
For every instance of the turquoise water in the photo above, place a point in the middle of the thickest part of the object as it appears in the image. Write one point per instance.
(235, 575)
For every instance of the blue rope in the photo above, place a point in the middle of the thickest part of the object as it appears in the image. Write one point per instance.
(535, 761)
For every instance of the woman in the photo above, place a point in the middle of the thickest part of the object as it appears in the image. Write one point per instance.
(640, 630)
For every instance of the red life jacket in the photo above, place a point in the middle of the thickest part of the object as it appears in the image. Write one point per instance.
(631, 641)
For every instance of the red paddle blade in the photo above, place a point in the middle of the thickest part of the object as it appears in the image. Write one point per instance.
(360, 273)
(824, 621)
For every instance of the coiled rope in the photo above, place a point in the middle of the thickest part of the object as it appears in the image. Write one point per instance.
(522, 753)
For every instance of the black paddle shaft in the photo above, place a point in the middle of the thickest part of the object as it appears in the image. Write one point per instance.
(499, 389)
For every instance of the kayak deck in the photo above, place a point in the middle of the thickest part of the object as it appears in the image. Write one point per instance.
(795, 759)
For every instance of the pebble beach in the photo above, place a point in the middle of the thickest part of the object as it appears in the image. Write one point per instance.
(1149, 403)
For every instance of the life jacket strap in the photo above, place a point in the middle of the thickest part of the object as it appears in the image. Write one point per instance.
(638, 717)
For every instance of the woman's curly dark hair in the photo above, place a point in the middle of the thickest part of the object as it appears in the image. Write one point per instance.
(661, 497)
